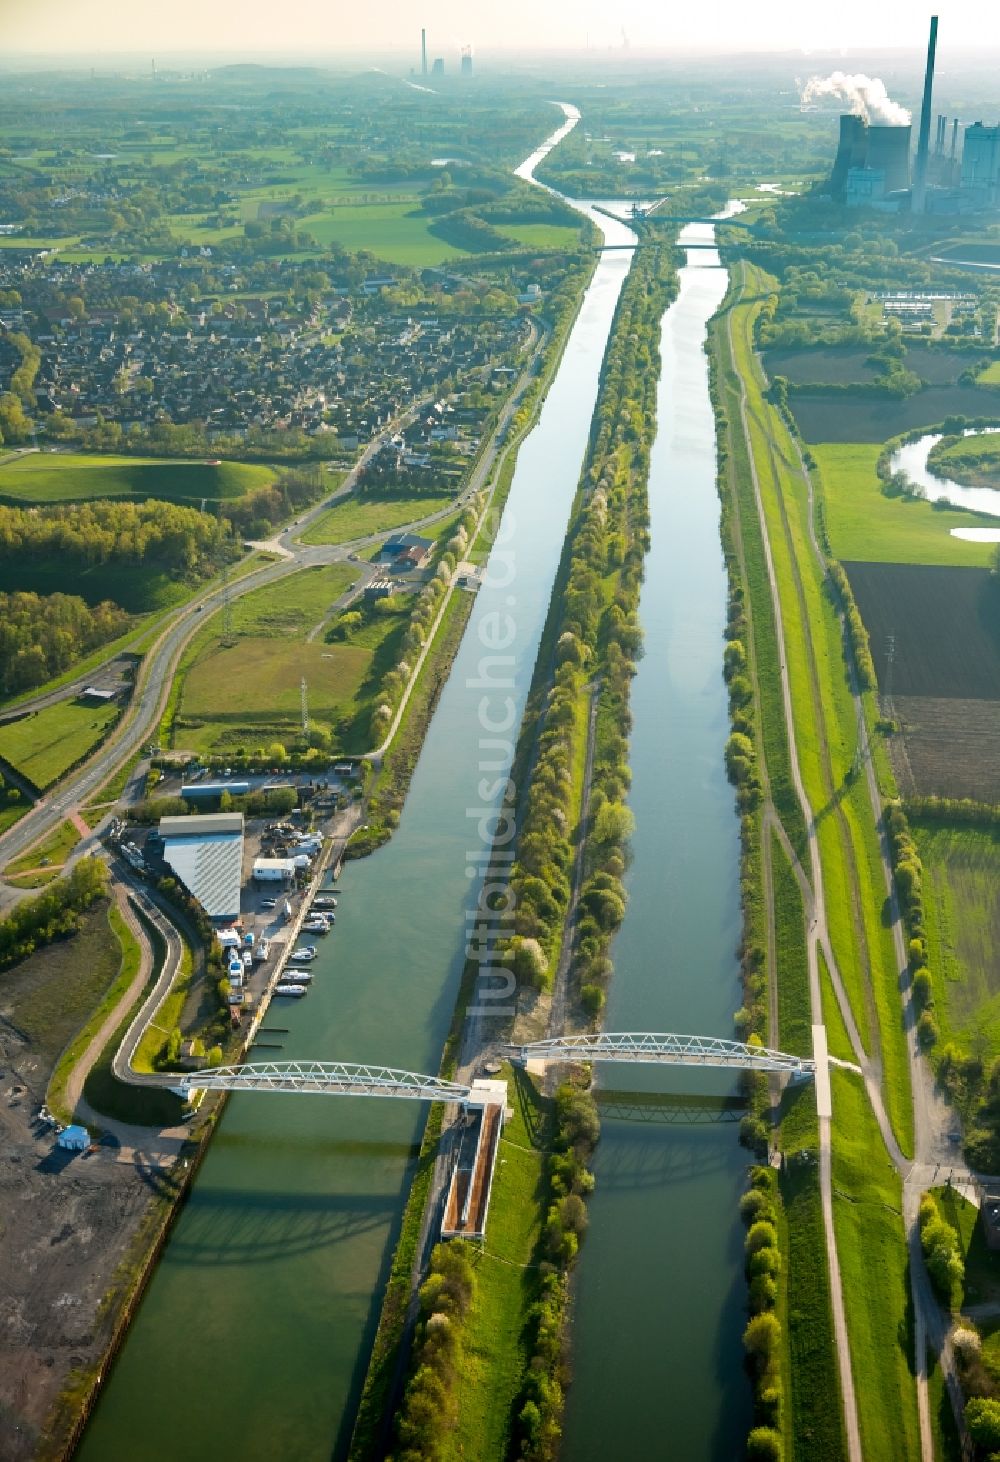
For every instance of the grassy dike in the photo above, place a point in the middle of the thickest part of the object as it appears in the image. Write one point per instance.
(505, 1387)
(826, 730)
(868, 1223)
(794, 1396)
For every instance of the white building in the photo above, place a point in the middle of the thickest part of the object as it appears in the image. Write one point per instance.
(981, 165)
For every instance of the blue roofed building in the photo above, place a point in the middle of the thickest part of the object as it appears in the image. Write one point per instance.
(206, 853)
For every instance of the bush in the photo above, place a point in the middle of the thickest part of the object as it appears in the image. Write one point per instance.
(982, 1416)
(761, 1236)
(764, 1445)
(761, 1339)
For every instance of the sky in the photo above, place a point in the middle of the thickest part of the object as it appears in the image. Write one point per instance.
(324, 28)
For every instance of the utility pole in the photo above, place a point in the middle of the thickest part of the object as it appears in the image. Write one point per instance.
(305, 708)
(227, 608)
(890, 656)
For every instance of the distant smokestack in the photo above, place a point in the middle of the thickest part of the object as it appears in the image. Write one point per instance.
(942, 123)
(423, 53)
(920, 175)
(954, 139)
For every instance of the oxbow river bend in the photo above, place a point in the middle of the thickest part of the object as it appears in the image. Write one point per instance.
(254, 1335)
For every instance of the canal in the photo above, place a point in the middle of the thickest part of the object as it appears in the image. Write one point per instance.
(254, 1334)
(659, 1300)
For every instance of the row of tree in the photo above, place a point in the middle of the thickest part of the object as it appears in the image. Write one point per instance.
(43, 635)
(762, 1338)
(595, 638)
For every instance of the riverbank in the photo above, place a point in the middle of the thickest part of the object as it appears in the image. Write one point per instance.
(312, 1213)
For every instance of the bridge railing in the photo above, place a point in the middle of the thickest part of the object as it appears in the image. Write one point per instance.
(662, 1049)
(324, 1078)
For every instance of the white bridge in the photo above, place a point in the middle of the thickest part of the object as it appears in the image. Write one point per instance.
(662, 1050)
(323, 1078)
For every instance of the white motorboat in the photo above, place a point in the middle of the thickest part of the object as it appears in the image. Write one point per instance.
(295, 990)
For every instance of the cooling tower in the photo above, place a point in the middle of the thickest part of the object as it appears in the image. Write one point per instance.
(889, 149)
(850, 153)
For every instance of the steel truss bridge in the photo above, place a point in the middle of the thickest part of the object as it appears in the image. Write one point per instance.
(645, 1047)
(324, 1078)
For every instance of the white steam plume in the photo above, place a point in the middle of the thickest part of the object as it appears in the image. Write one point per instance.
(865, 95)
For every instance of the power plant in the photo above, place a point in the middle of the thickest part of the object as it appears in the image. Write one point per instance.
(872, 166)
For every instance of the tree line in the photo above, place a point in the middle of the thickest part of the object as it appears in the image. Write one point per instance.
(43, 635)
(594, 638)
(82, 535)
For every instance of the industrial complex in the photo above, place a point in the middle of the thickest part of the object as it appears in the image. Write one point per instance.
(872, 168)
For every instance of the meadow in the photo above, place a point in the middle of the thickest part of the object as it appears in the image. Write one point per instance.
(55, 477)
(399, 233)
(866, 525)
(47, 743)
(244, 690)
(357, 517)
(961, 886)
(867, 1215)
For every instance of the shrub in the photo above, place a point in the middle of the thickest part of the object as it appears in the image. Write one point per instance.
(761, 1236)
(761, 1339)
(764, 1445)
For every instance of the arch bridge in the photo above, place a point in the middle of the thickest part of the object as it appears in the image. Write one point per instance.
(324, 1078)
(646, 1047)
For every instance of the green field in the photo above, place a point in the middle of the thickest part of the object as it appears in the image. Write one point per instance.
(43, 862)
(541, 235)
(47, 743)
(397, 232)
(496, 1335)
(245, 691)
(50, 477)
(826, 731)
(867, 1214)
(990, 376)
(359, 517)
(866, 526)
(961, 887)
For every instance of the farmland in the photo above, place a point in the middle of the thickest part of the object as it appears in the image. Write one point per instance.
(867, 525)
(357, 517)
(946, 624)
(836, 416)
(47, 743)
(945, 684)
(843, 365)
(73, 477)
(961, 885)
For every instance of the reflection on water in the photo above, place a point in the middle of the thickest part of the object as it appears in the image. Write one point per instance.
(660, 1296)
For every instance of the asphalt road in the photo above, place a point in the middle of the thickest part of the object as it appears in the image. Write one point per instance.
(156, 674)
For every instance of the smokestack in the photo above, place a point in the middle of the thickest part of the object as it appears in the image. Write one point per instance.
(942, 123)
(954, 139)
(423, 53)
(920, 176)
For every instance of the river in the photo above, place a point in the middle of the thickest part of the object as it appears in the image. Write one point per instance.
(660, 1296)
(254, 1334)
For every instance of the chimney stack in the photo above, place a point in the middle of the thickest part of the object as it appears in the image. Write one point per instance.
(423, 53)
(954, 139)
(920, 176)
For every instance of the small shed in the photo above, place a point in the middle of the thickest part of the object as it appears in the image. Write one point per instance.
(75, 1138)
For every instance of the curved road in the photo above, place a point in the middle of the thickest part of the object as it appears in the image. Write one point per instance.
(159, 666)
